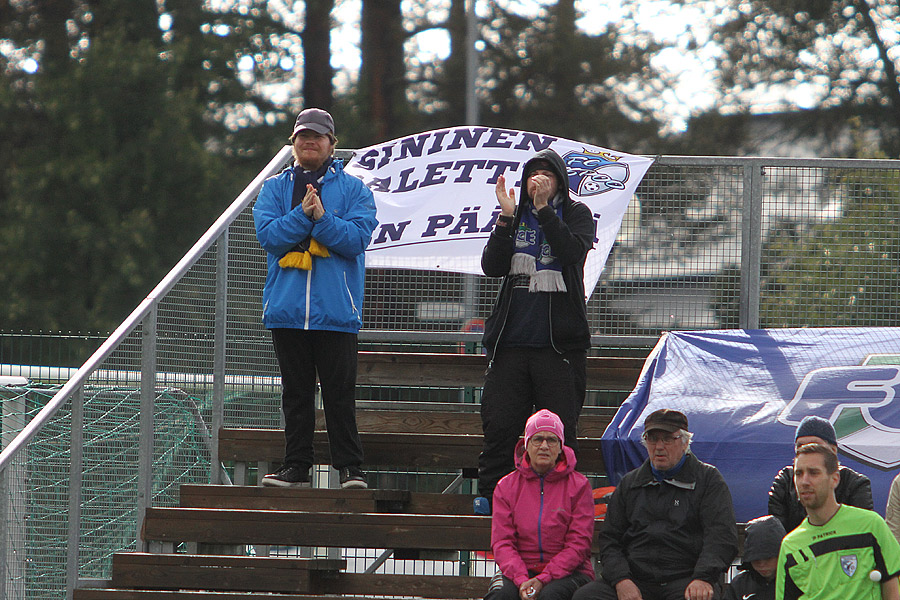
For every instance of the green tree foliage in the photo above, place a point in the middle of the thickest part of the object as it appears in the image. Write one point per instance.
(823, 54)
(110, 194)
(117, 153)
(544, 74)
(133, 132)
(840, 273)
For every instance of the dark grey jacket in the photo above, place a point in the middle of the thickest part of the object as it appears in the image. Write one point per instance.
(570, 238)
(854, 489)
(683, 527)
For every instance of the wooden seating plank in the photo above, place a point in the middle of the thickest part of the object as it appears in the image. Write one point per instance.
(295, 528)
(222, 573)
(426, 586)
(421, 369)
(437, 504)
(324, 500)
(125, 559)
(426, 369)
(592, 423)
(435, 451)
(134, 594)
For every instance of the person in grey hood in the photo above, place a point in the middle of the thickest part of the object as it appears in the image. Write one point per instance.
(762, 541)
(537, 335)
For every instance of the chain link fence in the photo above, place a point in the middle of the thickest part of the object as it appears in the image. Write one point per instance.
(706, 243)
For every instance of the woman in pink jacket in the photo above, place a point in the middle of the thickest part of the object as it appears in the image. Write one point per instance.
(543, 519)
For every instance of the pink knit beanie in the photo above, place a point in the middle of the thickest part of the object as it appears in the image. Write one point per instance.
(544, 420)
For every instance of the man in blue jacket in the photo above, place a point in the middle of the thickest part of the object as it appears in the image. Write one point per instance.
(315, 221)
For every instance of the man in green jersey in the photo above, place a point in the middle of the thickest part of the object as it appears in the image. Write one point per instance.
(838, 552)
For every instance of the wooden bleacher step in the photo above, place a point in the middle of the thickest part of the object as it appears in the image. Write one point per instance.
(426, 369)
(220, 573)
(324, 500)
(414, 450)
(296, 528)
(127, 594)
(310, 576)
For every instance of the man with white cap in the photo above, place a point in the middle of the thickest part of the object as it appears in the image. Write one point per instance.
(669, 532)
(315, 221)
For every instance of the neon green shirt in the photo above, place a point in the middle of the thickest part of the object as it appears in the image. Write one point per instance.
(834, 561)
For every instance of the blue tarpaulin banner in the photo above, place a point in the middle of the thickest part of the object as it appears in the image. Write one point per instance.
(745, 391)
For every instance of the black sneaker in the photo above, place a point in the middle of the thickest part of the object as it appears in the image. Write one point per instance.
(352, 477)
(287, 476)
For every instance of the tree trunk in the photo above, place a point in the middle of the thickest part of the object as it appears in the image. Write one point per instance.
(317, 71)
(566, 59)
(382, 74)
(454, 80)
(53, 17)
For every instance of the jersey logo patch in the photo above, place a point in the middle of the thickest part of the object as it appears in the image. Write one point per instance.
(848, 564)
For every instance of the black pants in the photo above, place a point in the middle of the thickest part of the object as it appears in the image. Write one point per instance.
(674, 590)
(332, 355)
(520, 382)
(503, 588)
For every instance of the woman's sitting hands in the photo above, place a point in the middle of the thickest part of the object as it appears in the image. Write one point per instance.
(530, 589)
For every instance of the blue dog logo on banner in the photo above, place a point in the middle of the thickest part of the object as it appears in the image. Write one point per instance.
(858, 400)
(591, 174)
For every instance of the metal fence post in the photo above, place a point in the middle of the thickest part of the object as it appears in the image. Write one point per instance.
(12, 505)
(219, 356)
(751, 245)
(148, 402)
(76, 464)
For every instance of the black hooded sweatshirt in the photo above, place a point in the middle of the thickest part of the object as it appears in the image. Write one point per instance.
(570, 238)
(762, 540)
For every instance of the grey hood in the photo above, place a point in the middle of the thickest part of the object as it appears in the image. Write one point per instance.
(762, 539)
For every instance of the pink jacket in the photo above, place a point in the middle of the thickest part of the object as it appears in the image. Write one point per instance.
(543, 524)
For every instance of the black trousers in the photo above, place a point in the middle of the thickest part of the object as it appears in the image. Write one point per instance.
(503, 588)
(674, 590)
(520, 382)
(302, 355)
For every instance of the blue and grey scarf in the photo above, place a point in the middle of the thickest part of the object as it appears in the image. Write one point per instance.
(532, 256)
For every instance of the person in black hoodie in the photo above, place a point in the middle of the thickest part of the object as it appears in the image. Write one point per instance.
(762, 541)
(537, 335)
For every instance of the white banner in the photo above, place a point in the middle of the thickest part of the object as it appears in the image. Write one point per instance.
(434, 192)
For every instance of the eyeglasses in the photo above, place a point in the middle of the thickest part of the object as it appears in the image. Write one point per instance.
(655, 438)
(538, 440)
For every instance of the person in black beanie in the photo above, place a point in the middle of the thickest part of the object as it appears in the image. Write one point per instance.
(854, 488)
(315, 221)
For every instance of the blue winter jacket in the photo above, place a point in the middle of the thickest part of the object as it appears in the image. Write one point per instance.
(329, 296)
